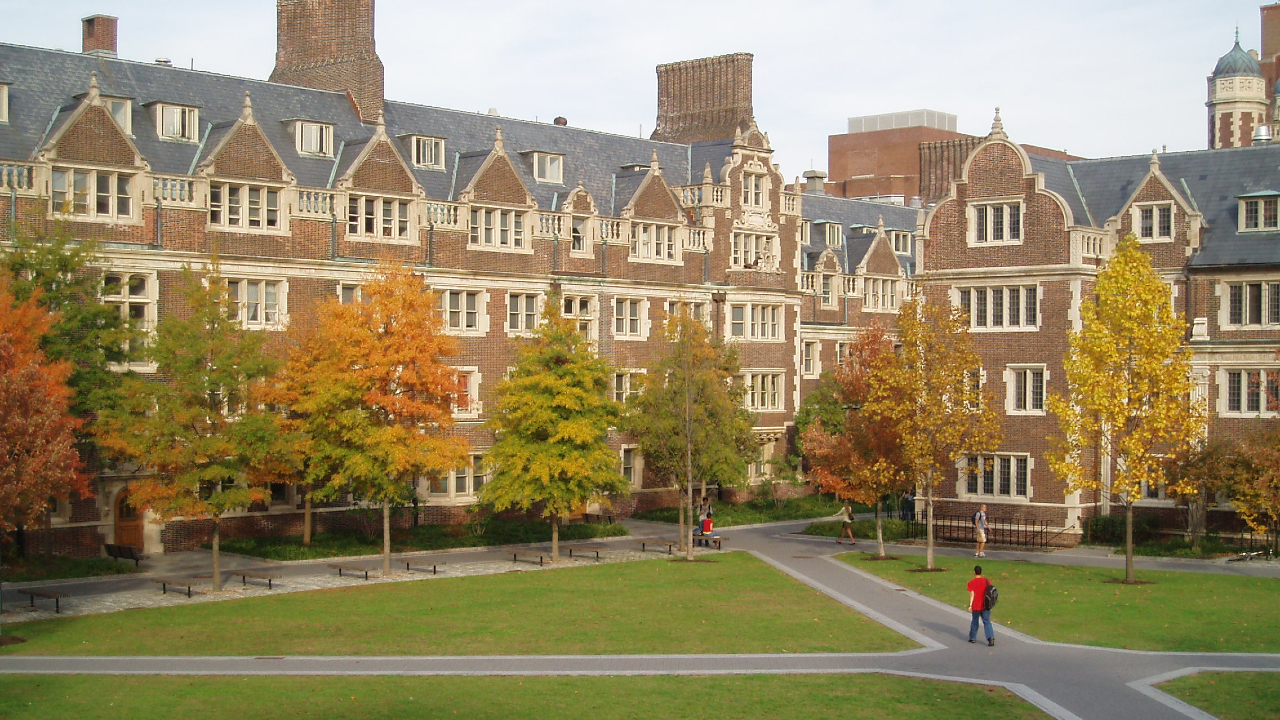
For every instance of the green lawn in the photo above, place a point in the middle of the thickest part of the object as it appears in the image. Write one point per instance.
(893, 528)
(423, 537)
(58, 567)
(730, 603)
(760, 511)
(1178, 612)
(1230, 695)
(794, 697)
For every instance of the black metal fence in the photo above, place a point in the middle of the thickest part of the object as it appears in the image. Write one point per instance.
(1014, 532)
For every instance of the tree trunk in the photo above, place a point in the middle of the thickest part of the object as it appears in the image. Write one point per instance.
(928, 533)
(680, 514)
(306, 518)
(879, 529)
(1128, 542)
(48, 534)
(1197, 510)
(217, 558)
(688, 539)
(386, 538)
(555, 539)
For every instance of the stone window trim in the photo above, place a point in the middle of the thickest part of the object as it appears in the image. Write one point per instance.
(827, 289)
(755, 321)
(387, 219)
(548, 168)
(1001, 476)
(136, 292)
(499, 229)
(262, 302)
(1259, 213)
(458, 486)
(753, 251)
(1017, 307)
(581, 237)
(901, 240)
(350, 293)
(469, 405)
(464, 311)
(1025, 388)
(632, 465)
(880, 294)
(656, 243)
(625, 384)
(1249, 303)
(755, 190)
(177, 123)
(1248, 391)
(995, 221)
(1154, 222)
(833, 232)
(765, 389)
(120, 110)
(630, 318)
(237, 206)
(524, 312)
(582, 310)
(427, 152)
(810, 358)
(83, 193)
(4, 102)
(313, 138)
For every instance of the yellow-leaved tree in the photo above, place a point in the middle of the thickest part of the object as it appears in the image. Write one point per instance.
(1129, 388)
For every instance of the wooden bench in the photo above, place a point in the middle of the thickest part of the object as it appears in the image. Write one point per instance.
(187, 583)
(528, 557)
(707, 540)
(585, 549)
(123, 552)
(53, 595)
(267, 575)
(340, 567)
(671, 545)
(600, 518)
(422, 565)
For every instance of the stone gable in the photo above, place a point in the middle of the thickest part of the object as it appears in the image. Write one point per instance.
(248, 154)
(656, 201)
(499, 183)
(382, 171)
(96, 139)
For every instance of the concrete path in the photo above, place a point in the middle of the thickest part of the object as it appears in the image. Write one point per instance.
(1066, 681)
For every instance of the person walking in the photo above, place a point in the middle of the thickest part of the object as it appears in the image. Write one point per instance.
(902, 504)
(845, 516)
(980, 531)
(978, 607)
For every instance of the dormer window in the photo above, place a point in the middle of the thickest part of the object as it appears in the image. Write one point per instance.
(179, 123)
(314, 138)
(428, 152)
(835, 235)
(4, 103)
(122, 112)
(548, 168)
(1260, 212)
(1153, 221)
(901, 242)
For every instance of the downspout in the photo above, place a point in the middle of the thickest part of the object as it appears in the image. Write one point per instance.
(13, 209)
(159, 225)
(333, 232)
(431, 243)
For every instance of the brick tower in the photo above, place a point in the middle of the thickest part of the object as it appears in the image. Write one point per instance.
(1237, 99)
(704, 99)
(328, 45)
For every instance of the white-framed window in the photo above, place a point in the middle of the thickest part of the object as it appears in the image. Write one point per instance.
(1025, 389)
(428, 152)
(697, 309)
(754, 189)
(827, 290)
(244, 207)
(178, 123)
(467, 404)
(1000, 475)
(625, 384)
(378, 218)
(259, 303)
(763, 390)
(581, 309)
(811, 358)
(465, 481)
(1001, 308)
(92, 194)
(650, 241)
(629, 317)
(463, 311)
(349, 293)
(494, 228)
(901, 241)
(1153, 221)
(750, 251)
(834, 234)
(879, 294)
(4, 102)
(995, 222)
(548, 168)
(578, 235)
(313, 138)
(133, 294)
(752, 321)
(1259, 213)
(522, 312)
(1252, 303)
(632, 465)
(1251, 392)
(121, 110)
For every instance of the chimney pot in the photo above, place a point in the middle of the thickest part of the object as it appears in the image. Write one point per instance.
(814, 181)
(99, 34)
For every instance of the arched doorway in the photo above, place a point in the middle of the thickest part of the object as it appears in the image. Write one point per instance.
(128, 522)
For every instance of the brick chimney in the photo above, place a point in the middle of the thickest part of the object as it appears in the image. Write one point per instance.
(328, 45)
(99, 35)
(704, 99)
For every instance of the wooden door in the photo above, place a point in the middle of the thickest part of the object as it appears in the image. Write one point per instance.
(128, 522)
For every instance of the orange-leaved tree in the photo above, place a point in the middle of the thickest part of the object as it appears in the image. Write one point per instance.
(862, 458)
(368, 388)
(38, 460)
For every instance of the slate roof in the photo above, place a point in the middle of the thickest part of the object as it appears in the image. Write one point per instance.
(854, 216)
(1236, 63)
(45, 81)
(1058, 177)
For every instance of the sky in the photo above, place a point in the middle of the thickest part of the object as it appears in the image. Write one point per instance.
(1094, 78)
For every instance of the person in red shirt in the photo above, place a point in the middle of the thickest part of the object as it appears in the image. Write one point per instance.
(977, 601)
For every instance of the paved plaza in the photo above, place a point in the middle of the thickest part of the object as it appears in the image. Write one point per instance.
(1066, 681)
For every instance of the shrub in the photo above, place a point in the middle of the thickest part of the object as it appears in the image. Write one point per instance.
(1109, 529)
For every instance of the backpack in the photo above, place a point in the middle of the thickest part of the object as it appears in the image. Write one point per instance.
(990, 597)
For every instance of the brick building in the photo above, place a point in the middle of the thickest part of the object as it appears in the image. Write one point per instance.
(300, 182)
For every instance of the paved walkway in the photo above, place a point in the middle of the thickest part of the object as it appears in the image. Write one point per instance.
(1066, 681)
